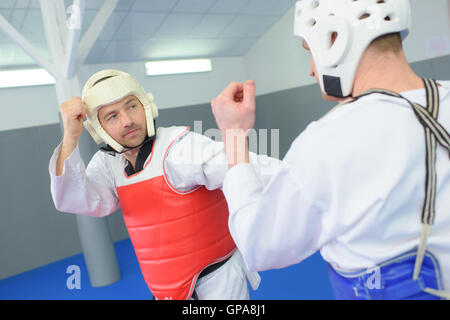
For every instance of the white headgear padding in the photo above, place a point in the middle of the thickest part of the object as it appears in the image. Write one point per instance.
(356, 23)
(115, 86)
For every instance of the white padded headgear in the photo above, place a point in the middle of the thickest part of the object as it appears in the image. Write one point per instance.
(357, 23)
(116, 86)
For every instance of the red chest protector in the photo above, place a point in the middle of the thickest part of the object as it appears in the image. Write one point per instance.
(175, 234)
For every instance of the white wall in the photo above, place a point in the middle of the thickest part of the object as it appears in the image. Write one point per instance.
(28, 107)
(277, 61)
(430, 34)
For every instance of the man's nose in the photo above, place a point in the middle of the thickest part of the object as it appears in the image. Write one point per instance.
(125, 119)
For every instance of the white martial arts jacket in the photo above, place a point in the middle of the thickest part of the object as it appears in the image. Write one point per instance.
(192, 160)
(351, 185)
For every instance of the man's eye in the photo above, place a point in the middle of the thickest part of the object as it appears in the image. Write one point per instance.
(132, 106)
(111, 117)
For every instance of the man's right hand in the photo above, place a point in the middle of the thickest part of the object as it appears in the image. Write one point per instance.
(73, 112)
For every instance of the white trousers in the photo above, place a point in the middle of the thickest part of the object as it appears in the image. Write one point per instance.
(229, 282)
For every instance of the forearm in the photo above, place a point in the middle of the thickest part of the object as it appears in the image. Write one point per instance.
(275, 225)
(204, 161)
(67, 148)
(236, 146)
(237, 152)
(80, 190)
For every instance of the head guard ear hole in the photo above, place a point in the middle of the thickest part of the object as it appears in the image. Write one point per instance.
(311, 22)
(314, 4)
(364, 15)
(333, 37)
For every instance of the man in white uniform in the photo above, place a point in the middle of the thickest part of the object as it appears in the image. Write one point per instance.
(368, 184)
(167, 182)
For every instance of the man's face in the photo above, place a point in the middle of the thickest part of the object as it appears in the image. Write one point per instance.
(124, 121)
(312, 66)
(313, 71)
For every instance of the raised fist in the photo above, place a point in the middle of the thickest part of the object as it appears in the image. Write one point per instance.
(73, 112)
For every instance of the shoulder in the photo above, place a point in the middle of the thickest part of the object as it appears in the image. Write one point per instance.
(353, 126)
(196, 144)
(166, 136)
(101, 157)
(444, 83)
(104, 162)
(444, 89)
(171, 130)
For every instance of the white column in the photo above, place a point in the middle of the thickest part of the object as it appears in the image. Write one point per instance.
(62, 41)
(95, 238)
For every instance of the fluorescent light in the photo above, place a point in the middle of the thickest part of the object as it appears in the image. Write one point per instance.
(24, 78)
(155, 68)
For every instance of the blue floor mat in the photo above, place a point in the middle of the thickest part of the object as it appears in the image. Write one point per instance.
(305, 281)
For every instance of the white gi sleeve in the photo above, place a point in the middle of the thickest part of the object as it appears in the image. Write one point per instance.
(287, 220)
(83, 191)
(197, 160)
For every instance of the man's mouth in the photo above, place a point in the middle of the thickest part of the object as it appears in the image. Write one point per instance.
(131, 132)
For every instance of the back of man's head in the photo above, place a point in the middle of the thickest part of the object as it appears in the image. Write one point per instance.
(390, 43)
(357, 25)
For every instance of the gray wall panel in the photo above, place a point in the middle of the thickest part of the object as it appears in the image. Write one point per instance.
(32, 233)
(423, 69)
(441, 68)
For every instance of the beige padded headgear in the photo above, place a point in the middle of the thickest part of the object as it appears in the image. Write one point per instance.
(111, 90)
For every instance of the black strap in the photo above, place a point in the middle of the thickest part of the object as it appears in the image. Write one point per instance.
(206, 271)
(212, 268)
(425, 118)
(434, 131)
(143, 154)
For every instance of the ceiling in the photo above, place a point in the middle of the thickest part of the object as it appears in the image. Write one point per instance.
(140, 30)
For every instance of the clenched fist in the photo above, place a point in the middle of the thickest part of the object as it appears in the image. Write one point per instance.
(73, 112)
(234, 108)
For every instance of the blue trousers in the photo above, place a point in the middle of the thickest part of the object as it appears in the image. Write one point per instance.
(391, 280)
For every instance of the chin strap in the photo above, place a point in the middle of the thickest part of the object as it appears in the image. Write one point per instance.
(109, 150)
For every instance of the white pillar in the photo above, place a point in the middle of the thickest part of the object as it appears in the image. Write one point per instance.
(95, 238)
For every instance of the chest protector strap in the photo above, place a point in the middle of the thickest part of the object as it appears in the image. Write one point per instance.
(425, 276)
